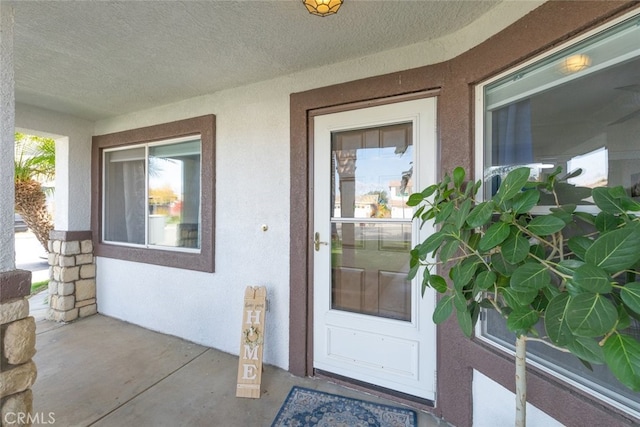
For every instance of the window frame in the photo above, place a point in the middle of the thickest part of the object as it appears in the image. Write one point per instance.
(202, 260)
(479, 166)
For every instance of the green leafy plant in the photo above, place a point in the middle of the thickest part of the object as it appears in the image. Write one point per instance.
(563, 277)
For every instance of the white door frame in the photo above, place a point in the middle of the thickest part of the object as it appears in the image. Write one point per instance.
(415, 346)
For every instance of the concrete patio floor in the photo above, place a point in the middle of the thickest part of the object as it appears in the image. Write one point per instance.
(100, 371)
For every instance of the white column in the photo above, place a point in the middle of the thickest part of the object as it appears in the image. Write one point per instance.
(7, 135)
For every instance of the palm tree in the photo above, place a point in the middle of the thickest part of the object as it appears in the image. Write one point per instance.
(35, 158)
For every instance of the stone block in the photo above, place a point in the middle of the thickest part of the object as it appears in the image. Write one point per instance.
(69, 274)
(86, 247)
(20, 341)
(52, 258)
(56, 273)
(53, 287)
(66, 288)
(67, 261)
(88, 310)
(85, 289)
(70, 248)
(17, 379)
(62, 303)
(85, 302)
(84, 259)
(88, 271)
(13, 310)
(57, 245)
(14, 284)
(62, 316)
(16, 405)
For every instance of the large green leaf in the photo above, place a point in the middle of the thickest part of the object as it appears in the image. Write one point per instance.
(427, 192)
(415, 199)
(579, 245)
(525, 201)
(443, 309)
(630, 294)
(622, 354)
(458, 176)
(606, 222)
(463, 213)
(515, 298)
(445, 210)
(462, 273)
(615, 251)
(555, 322)
(485, 280)
(587, 349)
(591, 315)
(431, 243)
(569, 266)
(545, 225)
(502, 266)
(438, 283)
(515, 249)
(512, 185)
(495, 234)
(522, 319)
(448, 250)
(592, 279)
(604, 199)
(464, 320)
(630, 205)
(586, 217)
(530, 276)
(460, 299)
(480, 214)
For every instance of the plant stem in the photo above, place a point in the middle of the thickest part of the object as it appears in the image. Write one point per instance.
(521, 381)
(547, 343)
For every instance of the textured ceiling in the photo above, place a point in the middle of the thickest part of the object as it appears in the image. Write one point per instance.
(96, 59)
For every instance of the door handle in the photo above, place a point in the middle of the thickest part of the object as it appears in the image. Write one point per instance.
(317, 242)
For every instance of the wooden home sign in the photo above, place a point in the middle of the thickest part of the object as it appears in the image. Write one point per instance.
(251, 342)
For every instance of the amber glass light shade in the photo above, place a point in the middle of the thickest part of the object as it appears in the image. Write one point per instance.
(575, 63)
(322, 7)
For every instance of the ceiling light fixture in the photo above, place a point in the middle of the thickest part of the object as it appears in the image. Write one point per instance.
(322, 7)
(574, 63)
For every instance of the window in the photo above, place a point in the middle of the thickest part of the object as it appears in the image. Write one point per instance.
(578, 108)
(155, 189)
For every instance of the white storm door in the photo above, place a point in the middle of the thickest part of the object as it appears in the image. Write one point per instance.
(370, 323)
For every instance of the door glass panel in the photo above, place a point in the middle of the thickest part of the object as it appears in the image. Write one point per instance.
(371, 222)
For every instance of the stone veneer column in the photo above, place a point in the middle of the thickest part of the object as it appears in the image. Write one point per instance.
(18, 344)
(72, 276)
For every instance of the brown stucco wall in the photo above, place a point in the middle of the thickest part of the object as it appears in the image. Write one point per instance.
(454, 80)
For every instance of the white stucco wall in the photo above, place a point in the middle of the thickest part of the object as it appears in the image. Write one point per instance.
(494, 405)
(252, 188)
(7, 114)
(72, 195)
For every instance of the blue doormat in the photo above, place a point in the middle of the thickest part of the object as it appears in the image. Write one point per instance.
(309, 408)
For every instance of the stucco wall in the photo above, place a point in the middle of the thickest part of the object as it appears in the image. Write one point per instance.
(7, 192)
(494, 405)
(72, 197)
(252, 189)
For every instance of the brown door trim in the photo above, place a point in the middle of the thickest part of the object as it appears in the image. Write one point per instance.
(304, 107)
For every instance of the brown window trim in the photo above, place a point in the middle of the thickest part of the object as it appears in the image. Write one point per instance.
(205, 126)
